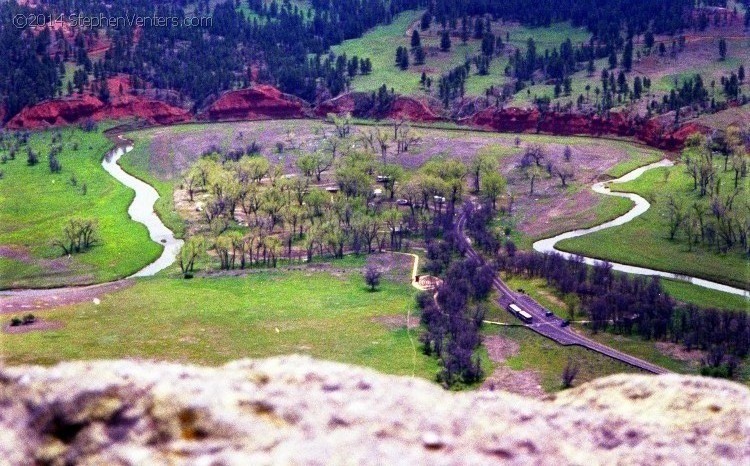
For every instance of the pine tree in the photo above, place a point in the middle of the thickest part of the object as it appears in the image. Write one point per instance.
(416, 41)
(419, 55)
(627, 56)
(426, 21)
(445, 41)
(612, 60)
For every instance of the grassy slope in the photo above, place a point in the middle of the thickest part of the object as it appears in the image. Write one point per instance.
(380, 46)
(214, 320)
(644, 241)
(35, 205)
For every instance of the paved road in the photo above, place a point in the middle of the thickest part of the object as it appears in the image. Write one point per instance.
(550, 326)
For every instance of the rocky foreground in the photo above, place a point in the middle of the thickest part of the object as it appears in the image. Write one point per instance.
(300, 411)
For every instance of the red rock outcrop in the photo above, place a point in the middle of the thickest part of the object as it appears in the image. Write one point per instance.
(412, 109)
(345, 103)
(652, 132)
(363, 105)
(257, 103)
(60, 112)
(56, 112)
(122, 104)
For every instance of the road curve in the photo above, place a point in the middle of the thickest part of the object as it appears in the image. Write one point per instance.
(550, 326)
(549, 245)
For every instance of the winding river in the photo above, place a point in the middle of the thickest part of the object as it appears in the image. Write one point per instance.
(641, 206)
(142, 211)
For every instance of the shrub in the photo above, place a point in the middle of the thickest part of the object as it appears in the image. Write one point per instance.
(29, 319)
(15, 322)
(372, 277)
(54, 163)
(31, 157)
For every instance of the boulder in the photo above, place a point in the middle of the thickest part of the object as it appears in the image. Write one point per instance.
(296, 410)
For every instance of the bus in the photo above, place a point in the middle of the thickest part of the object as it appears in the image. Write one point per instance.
(520, 313)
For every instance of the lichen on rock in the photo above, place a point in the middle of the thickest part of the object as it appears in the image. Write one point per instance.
(296, 410)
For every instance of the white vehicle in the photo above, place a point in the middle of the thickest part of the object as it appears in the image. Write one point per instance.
(520, 313)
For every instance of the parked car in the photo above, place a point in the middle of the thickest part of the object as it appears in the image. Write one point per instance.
(548, 313)
(564, 323)
(403, 202)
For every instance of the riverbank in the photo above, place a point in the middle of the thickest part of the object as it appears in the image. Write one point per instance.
(640, 207)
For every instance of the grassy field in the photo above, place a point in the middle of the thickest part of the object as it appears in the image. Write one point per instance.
(539, 354)
(35, 205)
(215, 320)
(645, 242)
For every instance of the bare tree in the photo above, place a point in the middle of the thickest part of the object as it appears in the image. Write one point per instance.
(565, 172)
(676, 215)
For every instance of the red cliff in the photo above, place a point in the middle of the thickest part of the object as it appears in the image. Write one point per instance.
(257, 103)
(122, 104)
(651, 132)
(59, 112)
(363, 105)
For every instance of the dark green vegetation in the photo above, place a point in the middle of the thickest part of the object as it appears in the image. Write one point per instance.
(507, 47)
(36, 204)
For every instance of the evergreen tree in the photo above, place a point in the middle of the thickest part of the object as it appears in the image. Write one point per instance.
(426, 21)
(612, 60)
(416, 41)
(419, 55)
(627, 56)
(445, 41)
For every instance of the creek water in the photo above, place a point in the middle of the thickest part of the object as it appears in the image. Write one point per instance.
(641, 206)
(142, 211)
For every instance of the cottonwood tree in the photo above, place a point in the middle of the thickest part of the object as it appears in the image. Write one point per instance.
(565, 172)
(532, 173)
(315, 163)
(193, 249)
(481, 164)
(493, 185)
(342, 124)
